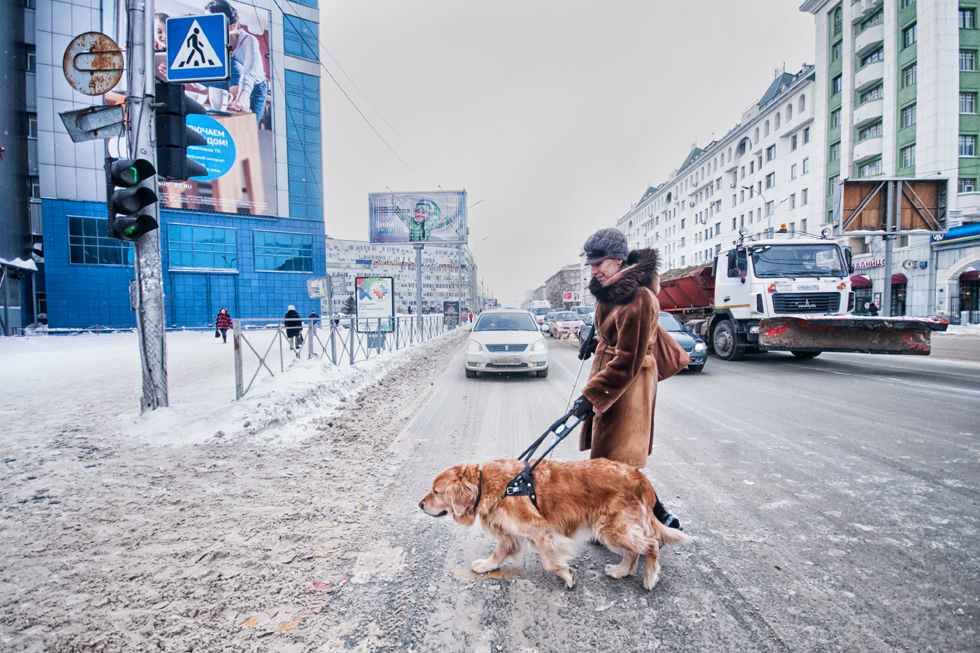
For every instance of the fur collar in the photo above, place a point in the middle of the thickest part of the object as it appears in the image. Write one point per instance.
(639, 271)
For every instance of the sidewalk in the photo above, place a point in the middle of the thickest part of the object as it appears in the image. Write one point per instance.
(957, 343)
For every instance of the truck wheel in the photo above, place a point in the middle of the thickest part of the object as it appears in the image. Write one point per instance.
(806, 354)
(726, 342)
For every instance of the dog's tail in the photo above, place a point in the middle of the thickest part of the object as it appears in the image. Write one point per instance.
(666, 536)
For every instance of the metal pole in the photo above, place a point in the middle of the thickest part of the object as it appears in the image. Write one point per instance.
(236, 339)
(150, 318)
(886, 295)
(418, 286)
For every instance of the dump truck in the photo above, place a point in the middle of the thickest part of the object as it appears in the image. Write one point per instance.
(785, 294)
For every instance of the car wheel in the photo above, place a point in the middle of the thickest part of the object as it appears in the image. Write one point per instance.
(806, 354)
(696, 368)
(470, 374)
(542, 373)
(726, 342)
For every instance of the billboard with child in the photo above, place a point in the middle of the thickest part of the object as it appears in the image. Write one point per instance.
(237, 124)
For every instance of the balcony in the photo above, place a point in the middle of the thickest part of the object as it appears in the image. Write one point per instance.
(869, 39)
(868, 111)
(868, 148)
(869, 76)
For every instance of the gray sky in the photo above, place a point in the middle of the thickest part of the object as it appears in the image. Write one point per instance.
(557, 114)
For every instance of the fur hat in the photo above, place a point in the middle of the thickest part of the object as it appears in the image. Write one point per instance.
(606, 243)
(291, 308)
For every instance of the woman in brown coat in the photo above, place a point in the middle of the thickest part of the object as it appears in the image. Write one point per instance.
(632, 354)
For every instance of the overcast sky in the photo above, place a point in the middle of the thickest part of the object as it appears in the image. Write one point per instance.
(555, 115)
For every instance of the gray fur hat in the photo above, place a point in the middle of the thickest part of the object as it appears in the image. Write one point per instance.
(606, 243)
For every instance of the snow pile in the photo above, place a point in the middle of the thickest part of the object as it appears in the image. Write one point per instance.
(963, 330)
(92, 383)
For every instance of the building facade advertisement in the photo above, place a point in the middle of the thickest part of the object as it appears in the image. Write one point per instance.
(375, 300)
(237, 124)
(418, 217)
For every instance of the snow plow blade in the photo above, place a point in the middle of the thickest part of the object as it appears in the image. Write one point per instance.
(850, 333)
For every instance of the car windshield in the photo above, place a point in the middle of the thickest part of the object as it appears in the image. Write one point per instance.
(797, 261)
(541, 311)
(584, 310)
(567, 317)
(587, 318)
(669, 322)
(505, 322)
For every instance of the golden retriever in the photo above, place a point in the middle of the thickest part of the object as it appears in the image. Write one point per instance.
(612, 501)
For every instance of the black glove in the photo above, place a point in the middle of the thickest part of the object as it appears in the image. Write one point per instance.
(588, 347)
(582, 408)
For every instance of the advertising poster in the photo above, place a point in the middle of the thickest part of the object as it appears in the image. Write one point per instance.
(375, 300)
(437, 217)
(450, 313)
(239, 155)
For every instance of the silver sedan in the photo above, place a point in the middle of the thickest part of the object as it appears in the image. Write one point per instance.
(506, 341)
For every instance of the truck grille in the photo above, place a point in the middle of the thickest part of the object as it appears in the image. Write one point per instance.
(806, 302)
(509, 348)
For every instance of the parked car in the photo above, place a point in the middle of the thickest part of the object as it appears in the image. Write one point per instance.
(691, 343)
(506, 341)
(547, 319)
(585, 328)
(564, 323)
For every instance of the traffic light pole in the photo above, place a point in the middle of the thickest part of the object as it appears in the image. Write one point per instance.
(150, 315)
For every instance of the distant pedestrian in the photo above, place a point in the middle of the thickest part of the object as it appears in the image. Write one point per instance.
(313, 314)
(222, 323)
(294, 326)
(872, 309)
(471, 316)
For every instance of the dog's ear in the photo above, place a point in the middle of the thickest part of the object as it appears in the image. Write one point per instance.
(462, 492)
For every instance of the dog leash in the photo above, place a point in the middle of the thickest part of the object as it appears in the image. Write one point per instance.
(523, 483)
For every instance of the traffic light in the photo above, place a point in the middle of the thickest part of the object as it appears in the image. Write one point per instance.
(126, 202)
(173, 134)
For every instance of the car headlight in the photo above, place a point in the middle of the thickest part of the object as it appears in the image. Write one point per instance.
(540, 345)
(754, 329)
(473, 347)
(700, 346)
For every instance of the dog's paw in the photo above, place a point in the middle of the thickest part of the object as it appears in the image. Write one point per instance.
(483, 566)
(651, 582)
(616, 571)
(570, 577)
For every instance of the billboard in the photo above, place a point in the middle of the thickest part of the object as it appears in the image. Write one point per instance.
(437, 217)
(240, 154)
(375, 300)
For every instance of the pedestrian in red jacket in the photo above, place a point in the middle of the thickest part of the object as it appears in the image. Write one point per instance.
(222, 323)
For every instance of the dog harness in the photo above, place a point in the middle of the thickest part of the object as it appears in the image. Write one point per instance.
(523, 484)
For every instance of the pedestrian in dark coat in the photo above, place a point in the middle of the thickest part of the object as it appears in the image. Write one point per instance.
(632, 354)
(222, 323)
(294, 326)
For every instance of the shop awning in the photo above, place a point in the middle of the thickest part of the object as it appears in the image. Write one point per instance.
(860, 281)
(970, 275)
(899, 278)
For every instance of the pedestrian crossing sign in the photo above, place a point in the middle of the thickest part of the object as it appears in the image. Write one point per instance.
(197, 48)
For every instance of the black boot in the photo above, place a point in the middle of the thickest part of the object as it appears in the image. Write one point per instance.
(666, 517)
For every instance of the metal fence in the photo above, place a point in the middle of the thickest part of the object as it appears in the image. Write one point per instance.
(338, 341)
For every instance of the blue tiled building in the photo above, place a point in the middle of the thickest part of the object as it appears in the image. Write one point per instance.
(247, 241)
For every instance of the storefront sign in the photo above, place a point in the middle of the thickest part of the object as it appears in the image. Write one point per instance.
(873, 263)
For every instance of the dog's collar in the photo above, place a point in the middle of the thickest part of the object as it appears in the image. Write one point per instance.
(479, 488)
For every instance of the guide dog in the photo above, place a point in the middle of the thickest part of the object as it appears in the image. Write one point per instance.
(610, 500)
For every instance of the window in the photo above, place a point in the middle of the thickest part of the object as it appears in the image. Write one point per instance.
(877, 55)
(806, 165)
(192, 246)
(770, 180)
(903, 241)
(966, 18)
(802, 103)
(303, 155)
(875, 19)
(777, 120)
(277, 251)
(32, 60)
(909, 35)
(89, 243)
(910, 75)
(876, 93)
(906, 3)
(835, 151)
(793, 142)
(871, 131)
(835, 118)
(908, 116)
(717, 229)
(765, 131)
(806, 135)
(838, 20)
(835, 86)
(769, 207)
(965, 185)
(968, 146)
(968, 60)
(792, 171)
(789, 111)
(751, 167)
(968, 102)
(299, 37)
(792, 201)
(35, 192)
(32, 125)
(804, 198)
(832, 184)
(908, 156)
(837, 51)
(770, 153)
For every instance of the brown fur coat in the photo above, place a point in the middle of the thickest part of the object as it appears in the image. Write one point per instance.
(632, 355)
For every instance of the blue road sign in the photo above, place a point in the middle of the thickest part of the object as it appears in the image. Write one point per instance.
(197, 48)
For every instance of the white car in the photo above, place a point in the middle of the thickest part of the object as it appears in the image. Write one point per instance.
(506, 341)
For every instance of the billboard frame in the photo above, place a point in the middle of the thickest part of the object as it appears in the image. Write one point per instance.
(896, 198)
(376, 209)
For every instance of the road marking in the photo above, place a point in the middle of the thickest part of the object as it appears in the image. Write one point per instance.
(873, 377)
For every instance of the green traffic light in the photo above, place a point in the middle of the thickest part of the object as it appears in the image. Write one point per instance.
(131, 176)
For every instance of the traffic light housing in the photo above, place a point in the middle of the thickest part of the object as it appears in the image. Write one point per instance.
(173, 134)
(126, 198)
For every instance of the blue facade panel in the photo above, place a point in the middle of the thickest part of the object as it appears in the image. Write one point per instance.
(82, 295)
